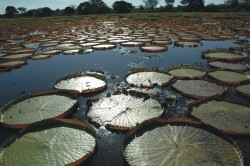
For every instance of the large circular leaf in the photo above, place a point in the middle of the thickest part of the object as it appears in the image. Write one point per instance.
(148, 78)
(230, 66)
(243, 89)
(55, 142)
(198, 88)
(222, 55)
(16, 57)
(154, 48)
(37, 107)
(229, 117)
(179, 142)
(123, 111)
(185, 72)
(84, 83)
(12, 64)
(229, 77)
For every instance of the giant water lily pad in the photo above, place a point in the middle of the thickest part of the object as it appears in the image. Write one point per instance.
(223, 56)
(148, 78)
(84, 83)
(41, 56)
(16, 57)
(36, 107)
(12, 64)
(229, 77)
(54, 142)
(243, 89)
(187, 44)
(198, 88)
(186, 72)
(229, 117)
(154, 48)
(123, 111)
(179, 142)
(230, 66)
(104, 46)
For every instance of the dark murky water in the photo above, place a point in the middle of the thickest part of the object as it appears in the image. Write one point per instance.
(41, 74)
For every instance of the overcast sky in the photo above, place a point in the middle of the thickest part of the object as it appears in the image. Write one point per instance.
(61, 4)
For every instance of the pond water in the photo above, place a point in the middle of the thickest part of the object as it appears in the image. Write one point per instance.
(40, 75)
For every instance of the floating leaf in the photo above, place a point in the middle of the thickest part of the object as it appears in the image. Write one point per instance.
(154, 48)
(198, 88)
(179, 142)
(243, 89)
(124, 111)
(132, 44)
(39, 57)
(230, 66)
(222, 55)
(36, 107)
(12, 64)
(184, 72)
(53, 52)
(16, 57)
(104, 46)
(148, 78)
(229, 117)
(229, 77)
(54, 142)
(83, 82)
(187, 43)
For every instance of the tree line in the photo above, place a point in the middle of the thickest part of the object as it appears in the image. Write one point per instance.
(99, 7)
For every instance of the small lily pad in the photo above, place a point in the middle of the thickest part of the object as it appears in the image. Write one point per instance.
(185, 72)
(243, 89)
(83, 83)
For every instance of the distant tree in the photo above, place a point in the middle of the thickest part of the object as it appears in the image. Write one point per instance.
(193, 5)
(150, 4)
(84, 8)
(212, 8)
(122, 7)
(69, 10)
(99, 6)
(232, 3)
(31, 13)
(169, 3)
(22, 10)
(44, 12)
(11, 11)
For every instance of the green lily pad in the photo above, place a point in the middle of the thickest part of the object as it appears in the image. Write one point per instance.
(12, 64)
(154, 48)
(229, 77)
(16, 57)
(186, 72)
(39, 57)
(243, 89)
(104, 46)
(148, 78)
(230, 66)
(123, 111)
(90, 82)
(187, 44)
(223, 56)
(229, 117)
(37, 107)
(132, 44)
(198, 88)
(179, 142)
(54, 142)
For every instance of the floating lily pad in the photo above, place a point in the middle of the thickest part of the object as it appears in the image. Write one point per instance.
(148, 78)
(84, 83)
(89, 44)
(187, 43)
(54, 142)
(12, 64)
(123, 111)
(118, 41)
(179, 142)
(71, 51)
(198, 88)
(243, 89)
(53, 52)
(185, 72)
(154, 48)
(22, 51)
(230, 66)
(222, 55)
(16, 57)
(39, 57)
(104, 46)
(229, 77)
(162, 42)
(229, 117)
(36, 107)
(132, 44)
